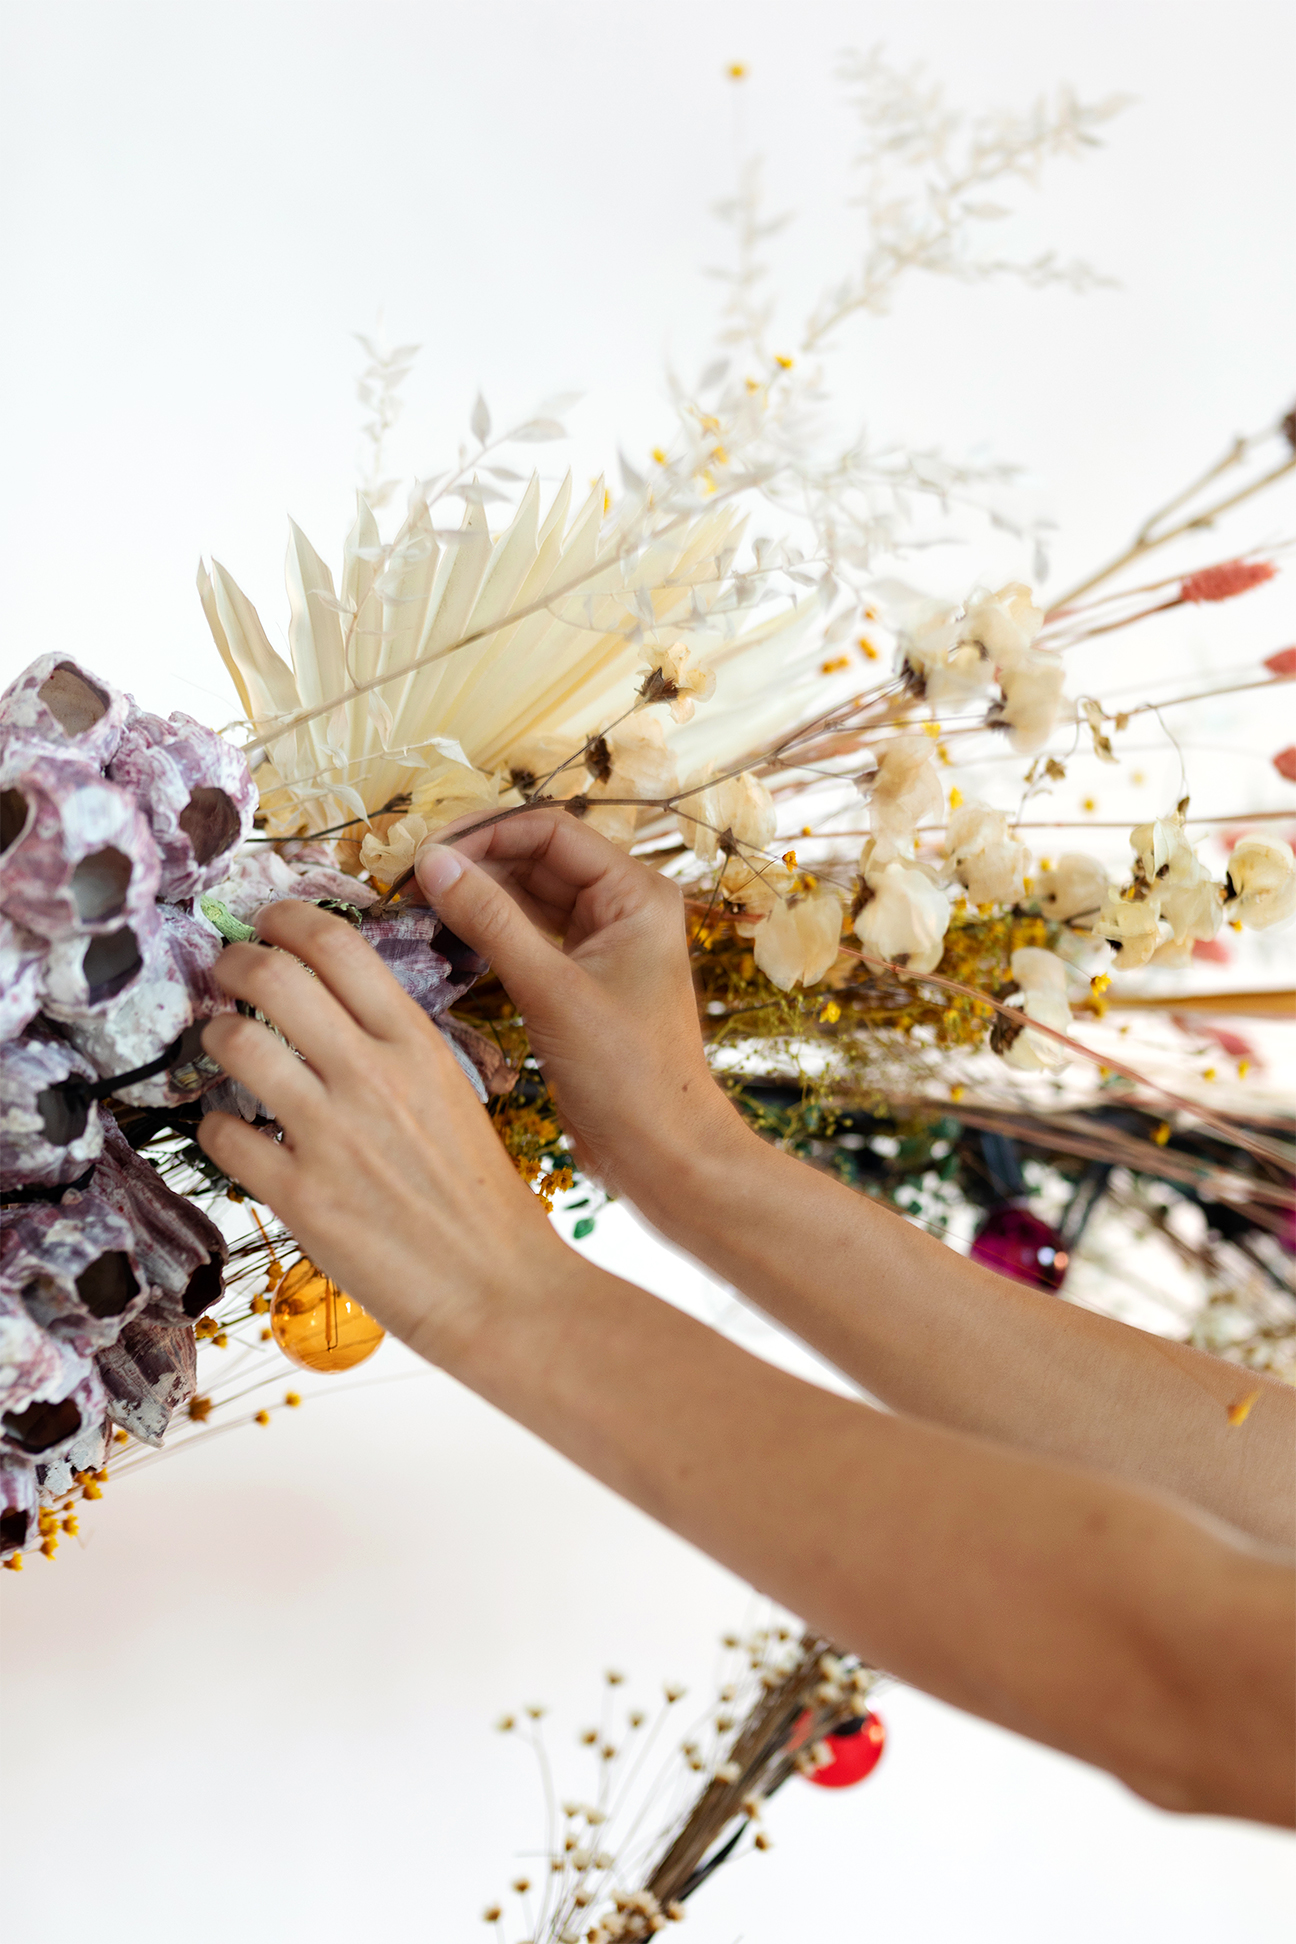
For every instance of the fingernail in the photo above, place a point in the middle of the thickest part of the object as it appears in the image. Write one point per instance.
(437, 867)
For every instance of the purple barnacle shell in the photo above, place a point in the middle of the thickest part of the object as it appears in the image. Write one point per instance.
(79, 856)
(49, 1133)
(165, 1005)
(148, 1374)
(22, 961)
(57, 702)
(260, 875)
(75, 1267)
(403, 941)
(196, 791)
(54, 1422)
(17, 1501)
(31, 1363)
(181, 1251)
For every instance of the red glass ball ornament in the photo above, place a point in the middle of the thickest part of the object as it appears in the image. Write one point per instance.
(856, 1751)
(1018, 1244)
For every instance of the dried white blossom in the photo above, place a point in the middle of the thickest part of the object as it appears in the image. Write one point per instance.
(904, 916)
(906, 789)
(737, 811)
(1004, 625)
(1072, 888)
(798, 940)
(1132, 927)
(1261, 882)
(950, 671)
(984, 855)
(671, 675)
(1032, 701)
(389, 856)
(634, 761)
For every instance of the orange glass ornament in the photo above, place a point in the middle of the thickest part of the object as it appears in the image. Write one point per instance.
(318, 1325)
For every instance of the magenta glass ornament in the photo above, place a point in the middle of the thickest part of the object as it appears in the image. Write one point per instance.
(1016, 1243)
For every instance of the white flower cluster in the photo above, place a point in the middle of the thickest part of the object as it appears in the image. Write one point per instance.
(1172, 900)
(957, 656)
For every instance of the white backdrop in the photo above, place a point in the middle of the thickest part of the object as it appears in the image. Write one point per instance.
(255, 1700)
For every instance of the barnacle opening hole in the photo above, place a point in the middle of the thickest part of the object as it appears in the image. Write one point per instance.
(110, 963)
(210, 821)
(14, 814)
(108, 1284)
(41, 1426)
(100, 883)
(75, 704)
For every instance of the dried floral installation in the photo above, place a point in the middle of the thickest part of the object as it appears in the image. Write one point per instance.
(709, 665)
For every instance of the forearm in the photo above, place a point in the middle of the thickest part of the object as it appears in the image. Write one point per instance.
(931, 1334)
(1008, 1586)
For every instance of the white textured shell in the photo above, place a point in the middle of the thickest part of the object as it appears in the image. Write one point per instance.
(175, 989)
(30, 1362)
(81, 977)
(148, 1374)
(196, 791)
(17, 1500)
(22, 958)
(83, 859)
(258, 875)
(58, 702)
(44, 1137)
(181, 1250)
(75, 1267)
(42, 1429)
(56, 1475)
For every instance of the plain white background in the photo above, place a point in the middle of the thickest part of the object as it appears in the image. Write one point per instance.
(256, 1701)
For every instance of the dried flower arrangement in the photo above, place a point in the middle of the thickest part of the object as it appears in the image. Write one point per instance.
(901, 1010)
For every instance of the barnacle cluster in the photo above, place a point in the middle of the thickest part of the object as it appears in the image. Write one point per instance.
(128, 860)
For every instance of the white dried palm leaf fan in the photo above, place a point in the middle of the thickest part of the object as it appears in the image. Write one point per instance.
(553, 618)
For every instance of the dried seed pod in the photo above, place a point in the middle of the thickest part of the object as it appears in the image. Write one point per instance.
(148, 1374)
(49, 1426)
(75, 1266)
(181, 1251)
(403, 941)
(22, 958)
(80, 856)
(30, 1362)
(57, 702)
(166, 1004)
(48, 1134)
(196, 791)
(17, 1501)
(83, 976)
(56, 1475)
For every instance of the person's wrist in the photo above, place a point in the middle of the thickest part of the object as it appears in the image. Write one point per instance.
(679, 1162)
(449, 1332)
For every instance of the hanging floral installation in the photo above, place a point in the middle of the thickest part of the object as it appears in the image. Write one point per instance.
(714, 663)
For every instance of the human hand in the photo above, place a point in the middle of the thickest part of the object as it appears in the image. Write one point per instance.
(389, 1174)
(610, 1012)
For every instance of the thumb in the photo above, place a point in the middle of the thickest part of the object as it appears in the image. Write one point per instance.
(483, 914)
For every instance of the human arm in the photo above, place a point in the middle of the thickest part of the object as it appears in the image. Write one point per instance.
(613, 1020)
(1099, 1620)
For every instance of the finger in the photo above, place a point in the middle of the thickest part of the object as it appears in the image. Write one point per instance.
(302, 1007)
(482, 912)
(345, 963)
(558, 861)
(250, 1052)
(248, 1157)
